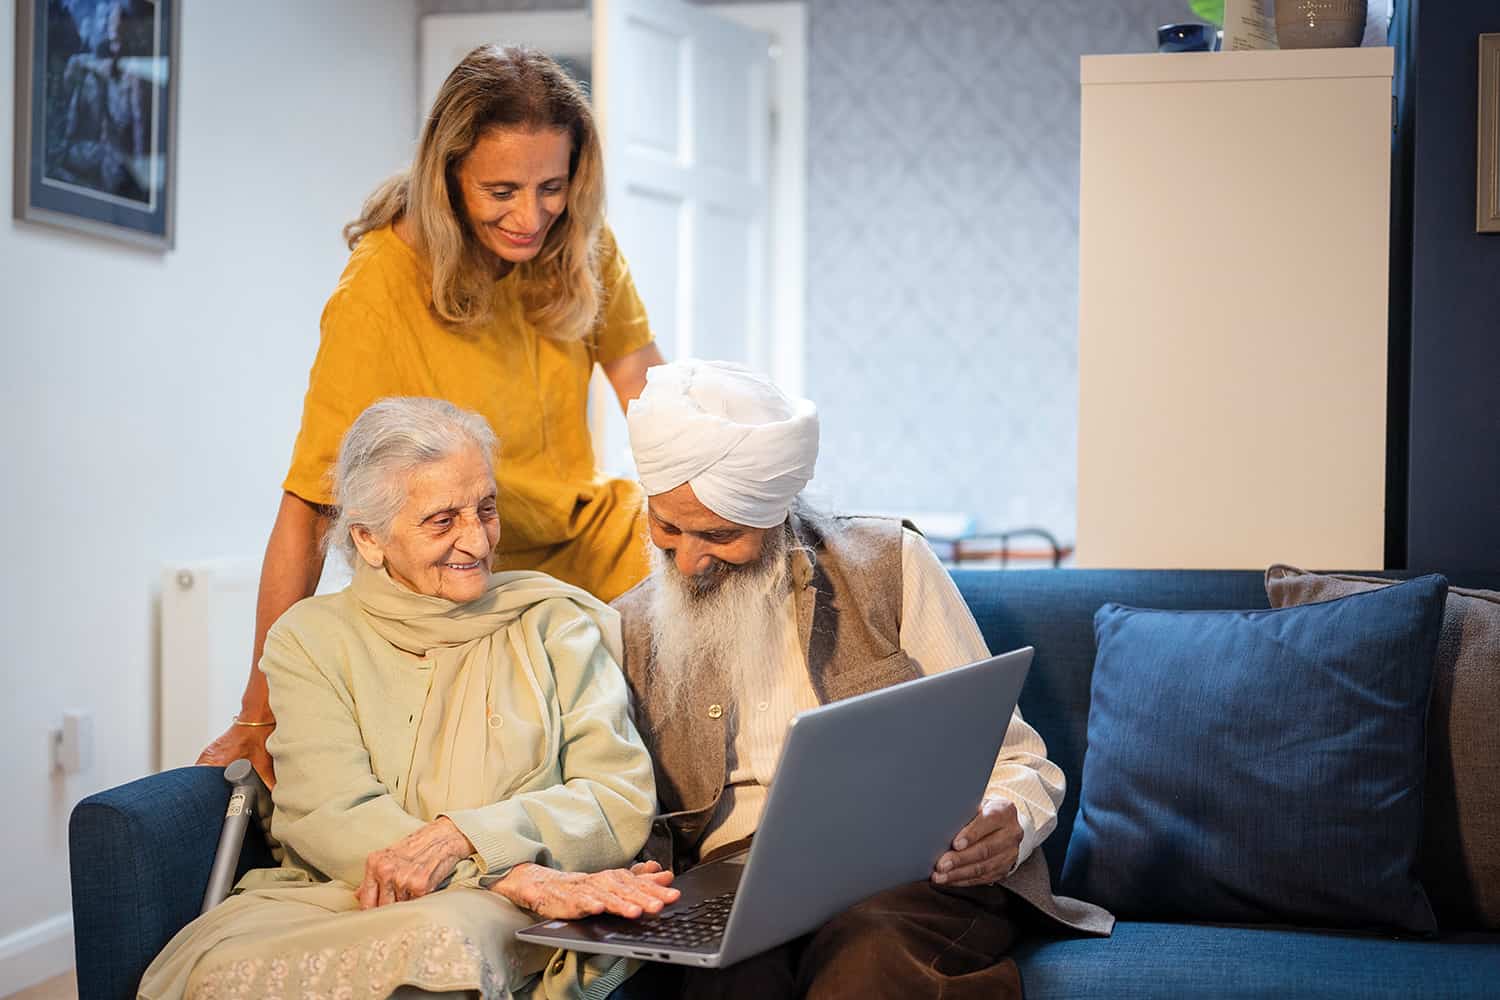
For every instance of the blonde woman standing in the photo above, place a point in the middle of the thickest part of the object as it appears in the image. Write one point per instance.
(484, 275)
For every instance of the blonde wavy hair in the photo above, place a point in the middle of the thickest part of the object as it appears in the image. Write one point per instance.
(500, 87)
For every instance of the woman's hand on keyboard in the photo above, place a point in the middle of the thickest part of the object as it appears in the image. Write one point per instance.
(644, 888)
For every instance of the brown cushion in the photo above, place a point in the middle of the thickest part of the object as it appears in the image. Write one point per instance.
(1461, 841)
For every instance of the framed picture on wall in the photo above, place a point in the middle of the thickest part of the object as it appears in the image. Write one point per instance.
(96, 116)
(1487, 207)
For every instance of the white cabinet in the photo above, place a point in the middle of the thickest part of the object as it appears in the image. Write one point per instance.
(1233, 270)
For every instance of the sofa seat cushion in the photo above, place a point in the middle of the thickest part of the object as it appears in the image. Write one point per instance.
(1209, 962)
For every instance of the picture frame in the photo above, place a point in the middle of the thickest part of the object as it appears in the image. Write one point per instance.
(1487, 200)
(96, 117)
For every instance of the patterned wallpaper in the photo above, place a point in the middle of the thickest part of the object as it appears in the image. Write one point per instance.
(942, 344)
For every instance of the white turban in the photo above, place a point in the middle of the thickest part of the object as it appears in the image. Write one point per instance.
(746, 449)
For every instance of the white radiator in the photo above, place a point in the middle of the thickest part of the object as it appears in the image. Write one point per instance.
(207, 627)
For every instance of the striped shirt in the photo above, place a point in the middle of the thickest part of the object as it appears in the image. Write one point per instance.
(938, 633)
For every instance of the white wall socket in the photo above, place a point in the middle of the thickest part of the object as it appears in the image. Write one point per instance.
(73, 744)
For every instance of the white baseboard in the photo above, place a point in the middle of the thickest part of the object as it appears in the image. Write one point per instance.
(35, 953)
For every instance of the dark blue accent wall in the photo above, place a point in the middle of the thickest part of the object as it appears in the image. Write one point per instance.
(1398, 357)
(1453, 460)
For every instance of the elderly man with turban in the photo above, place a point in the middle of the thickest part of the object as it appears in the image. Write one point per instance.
(758, 607)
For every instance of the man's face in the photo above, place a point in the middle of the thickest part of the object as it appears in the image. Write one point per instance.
(703, 546)
(721, 591)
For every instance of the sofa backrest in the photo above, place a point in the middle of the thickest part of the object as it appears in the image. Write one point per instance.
(1053, 610)
(140, 855)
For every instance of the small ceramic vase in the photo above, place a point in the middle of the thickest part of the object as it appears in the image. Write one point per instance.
(1320, 24)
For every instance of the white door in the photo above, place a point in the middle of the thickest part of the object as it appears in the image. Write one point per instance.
(681, 98)
(680, 94)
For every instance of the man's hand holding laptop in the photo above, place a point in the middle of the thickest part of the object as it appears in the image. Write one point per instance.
(985, 850)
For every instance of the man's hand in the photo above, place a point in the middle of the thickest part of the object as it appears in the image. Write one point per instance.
(985, 850)
(414, 865)
(248, 742)
(556, 895)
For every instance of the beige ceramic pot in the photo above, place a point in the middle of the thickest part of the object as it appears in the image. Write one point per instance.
(1320, 24)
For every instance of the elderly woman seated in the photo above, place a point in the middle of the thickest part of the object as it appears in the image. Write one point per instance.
(453, 752)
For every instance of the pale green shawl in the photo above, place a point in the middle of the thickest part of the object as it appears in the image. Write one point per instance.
(466, 641)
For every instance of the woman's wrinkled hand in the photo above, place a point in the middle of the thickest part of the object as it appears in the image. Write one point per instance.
(555, 895)
(414, 865)
(248, 742)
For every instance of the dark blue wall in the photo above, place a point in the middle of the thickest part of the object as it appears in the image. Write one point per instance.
(1453, 460)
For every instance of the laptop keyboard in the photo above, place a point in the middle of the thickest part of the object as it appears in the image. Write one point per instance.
(698, 925)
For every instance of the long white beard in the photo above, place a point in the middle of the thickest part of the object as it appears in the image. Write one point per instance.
(726, 624)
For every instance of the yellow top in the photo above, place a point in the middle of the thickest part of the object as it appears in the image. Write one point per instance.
(380, 337)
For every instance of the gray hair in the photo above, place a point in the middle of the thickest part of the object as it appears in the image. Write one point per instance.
(381, 448)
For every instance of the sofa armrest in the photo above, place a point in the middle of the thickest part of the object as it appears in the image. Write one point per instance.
(140, 855)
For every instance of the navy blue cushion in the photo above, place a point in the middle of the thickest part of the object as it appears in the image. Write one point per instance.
(1260, 766)
(1171, 961)
(1053, 610)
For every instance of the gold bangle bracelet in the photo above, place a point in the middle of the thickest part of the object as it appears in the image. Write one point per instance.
(253, 725)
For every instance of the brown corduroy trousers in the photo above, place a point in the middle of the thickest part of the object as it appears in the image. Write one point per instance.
(915, 941)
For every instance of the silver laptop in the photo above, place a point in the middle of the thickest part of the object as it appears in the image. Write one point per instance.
(868, 793)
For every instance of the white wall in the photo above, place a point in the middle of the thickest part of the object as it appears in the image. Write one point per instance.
(148, 402)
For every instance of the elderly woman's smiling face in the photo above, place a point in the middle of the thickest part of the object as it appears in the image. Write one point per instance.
(440, 541)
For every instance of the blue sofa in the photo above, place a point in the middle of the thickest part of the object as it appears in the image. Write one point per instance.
(141, 852)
